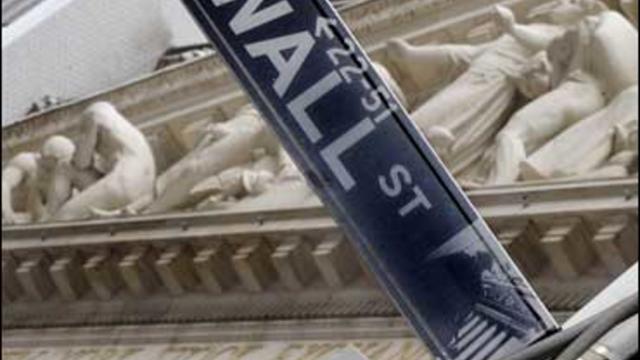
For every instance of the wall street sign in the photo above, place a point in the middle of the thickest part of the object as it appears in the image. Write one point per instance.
(374, 171)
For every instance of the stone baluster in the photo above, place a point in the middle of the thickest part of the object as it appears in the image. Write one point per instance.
(100, 271)
(616, 244)
(294, 263)
(213, 266)
(522, 243)
(11, 289)
(568, 246)
(33, 275)
(68, 278)
(176, 271)
(136, 269)
(336, 262)
(253, 266)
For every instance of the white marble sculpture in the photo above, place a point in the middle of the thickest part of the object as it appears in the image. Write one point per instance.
(225, 146)
(247, 180)
(600, 144)
(18, 182)
(624, 159)
(233, 162)
(287, 190)
(112, 145)
(278, 182)
(593, 62)
(33, 181)
(267, 182)
(462, 119)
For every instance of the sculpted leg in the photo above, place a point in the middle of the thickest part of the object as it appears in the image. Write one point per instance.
(103, 195)
(428, 65)
(241, 136)
(19, 174)
(537, 123)
(510, 153)
(11, 178)
(587, 144)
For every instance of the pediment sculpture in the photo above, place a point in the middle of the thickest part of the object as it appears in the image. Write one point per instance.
(555, 97)
(571, 71)
(110, 167)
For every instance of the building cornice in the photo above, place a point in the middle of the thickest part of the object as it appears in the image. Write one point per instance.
(569, 238)
(264, 331)
(540, 201)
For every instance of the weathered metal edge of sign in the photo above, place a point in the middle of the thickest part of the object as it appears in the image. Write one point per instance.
(467, 247)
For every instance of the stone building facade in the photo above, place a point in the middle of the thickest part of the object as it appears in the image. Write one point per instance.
(274, 282)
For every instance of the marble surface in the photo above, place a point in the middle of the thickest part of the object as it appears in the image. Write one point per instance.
(384, 349)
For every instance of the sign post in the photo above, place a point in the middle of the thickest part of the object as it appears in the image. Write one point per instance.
(377, 175)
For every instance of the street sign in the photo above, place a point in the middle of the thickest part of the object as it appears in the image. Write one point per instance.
(377, 175)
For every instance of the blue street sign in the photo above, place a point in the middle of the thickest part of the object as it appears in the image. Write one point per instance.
(382, 182)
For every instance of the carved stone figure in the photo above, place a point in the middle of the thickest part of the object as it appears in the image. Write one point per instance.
(114, 146)
(34, 179)
(462, 119)
(274, 180)
(624, 161)
(231, 185)
(57, 177)
(446, 63)
(18, 177)
(225, 146)
(607, 136)
(269, 181)
(594, 60)
(237, 159)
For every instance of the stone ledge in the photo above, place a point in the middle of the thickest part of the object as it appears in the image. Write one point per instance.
(291, 330)
(137, 274)
(540, 201)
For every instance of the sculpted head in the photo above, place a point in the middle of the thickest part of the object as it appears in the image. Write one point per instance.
(568, 12)
(101, 109)
(27, 162)
(57, 149)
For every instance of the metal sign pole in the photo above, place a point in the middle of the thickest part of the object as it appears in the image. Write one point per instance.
(383, 183)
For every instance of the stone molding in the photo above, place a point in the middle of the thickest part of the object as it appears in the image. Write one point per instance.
(265, 331)
(570, 239)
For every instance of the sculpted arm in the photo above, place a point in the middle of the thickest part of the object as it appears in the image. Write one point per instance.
(84, 179)
(59, 192)
(434, 56)
(535, 38)
(83, 158)
(11, 178)
(227, 183)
